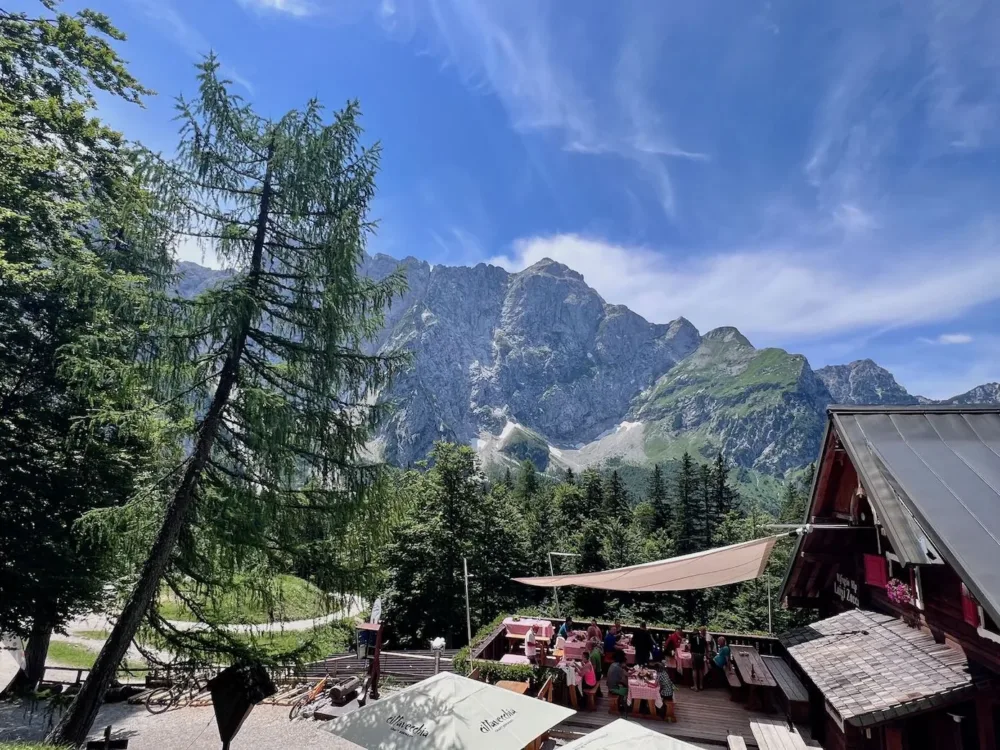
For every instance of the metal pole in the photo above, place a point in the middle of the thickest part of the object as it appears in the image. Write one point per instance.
(555, 589)
(770, 630)
(468, 615)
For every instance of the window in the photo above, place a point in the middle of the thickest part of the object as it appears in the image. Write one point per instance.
(988, 629)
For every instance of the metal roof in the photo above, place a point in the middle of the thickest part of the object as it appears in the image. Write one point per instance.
(944, 466)
(932, 474)
(873, 668)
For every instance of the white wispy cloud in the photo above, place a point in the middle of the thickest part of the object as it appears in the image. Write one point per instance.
(774, 291)
(949, 339)
(186, 36)
(297, 8)
(513, 51)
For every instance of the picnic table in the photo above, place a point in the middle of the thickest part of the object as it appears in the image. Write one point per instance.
(514, 659)
(575, 645)
(641, 689)
(754, 673)
(683, 661)
(514, 686)
(519, 627)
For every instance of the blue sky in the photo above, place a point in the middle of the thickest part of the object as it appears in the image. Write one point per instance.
(824, 176)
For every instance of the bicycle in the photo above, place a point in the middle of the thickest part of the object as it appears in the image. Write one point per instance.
(311, 695)
(179, 694)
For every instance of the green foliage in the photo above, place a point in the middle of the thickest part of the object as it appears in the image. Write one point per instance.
(67, 278)
(295, 599)
(453, 515)
(65, 654)
(94, 635)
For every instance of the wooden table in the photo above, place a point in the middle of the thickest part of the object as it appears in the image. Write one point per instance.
(514, 686)
(754, 673)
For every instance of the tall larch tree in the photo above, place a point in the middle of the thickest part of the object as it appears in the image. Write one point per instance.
(272, 361)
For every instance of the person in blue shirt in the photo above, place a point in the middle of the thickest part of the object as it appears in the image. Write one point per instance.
(566, 628)
(721, 659)
(611, 639)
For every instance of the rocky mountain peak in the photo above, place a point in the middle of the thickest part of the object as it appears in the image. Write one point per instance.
(988, 393)
(863, 382)
(554, 268)
(727, 335)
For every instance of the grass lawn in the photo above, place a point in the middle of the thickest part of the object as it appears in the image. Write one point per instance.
(332, 638)
(75, 656)
(70, 655)
(296, 600)
(94, 635)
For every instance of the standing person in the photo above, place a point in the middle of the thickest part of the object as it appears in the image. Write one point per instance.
(642, 642)
(699, 647)
(610, 641)
(618, 680)
(666, 690)
(673, 642)
(530, 649)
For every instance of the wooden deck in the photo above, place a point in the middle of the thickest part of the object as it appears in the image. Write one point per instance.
(706, 718)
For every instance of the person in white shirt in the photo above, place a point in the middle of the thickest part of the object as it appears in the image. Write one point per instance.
(530, 650)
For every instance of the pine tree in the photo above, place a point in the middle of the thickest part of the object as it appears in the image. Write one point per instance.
(569, 477)
(570, 505)
(706, 495)
(272, 360)
(594, 491)
(688, 510)
(616, 500)
(725, 497)
(527, 482)
(589, 546)
(656, 494)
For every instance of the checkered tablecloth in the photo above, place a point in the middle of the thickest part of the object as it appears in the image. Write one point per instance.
(640, 690)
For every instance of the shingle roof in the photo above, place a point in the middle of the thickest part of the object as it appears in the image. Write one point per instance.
(873, 668)
(933, 474)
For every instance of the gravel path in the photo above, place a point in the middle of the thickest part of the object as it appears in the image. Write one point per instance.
(267, 727)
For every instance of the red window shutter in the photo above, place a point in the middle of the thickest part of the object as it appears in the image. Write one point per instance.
(876, 570)
(970, 608)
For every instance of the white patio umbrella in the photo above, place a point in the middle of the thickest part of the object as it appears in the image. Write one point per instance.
(449, 712)
(627, 735)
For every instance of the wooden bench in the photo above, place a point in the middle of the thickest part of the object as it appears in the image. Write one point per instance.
(774, 734)
(736, 742)
(793, 692)
(735, 684)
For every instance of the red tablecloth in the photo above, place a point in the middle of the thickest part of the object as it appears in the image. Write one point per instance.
(682, 661)
(543, 628)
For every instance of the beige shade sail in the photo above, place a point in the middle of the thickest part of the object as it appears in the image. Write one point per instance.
(700, 570)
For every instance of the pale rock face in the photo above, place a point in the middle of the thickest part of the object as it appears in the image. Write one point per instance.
(584, 380)
(863, 382)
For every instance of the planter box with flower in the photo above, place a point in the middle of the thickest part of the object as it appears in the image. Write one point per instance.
(901, 595)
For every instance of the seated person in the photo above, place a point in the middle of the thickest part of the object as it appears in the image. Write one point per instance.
(610, 641)
(595, 659)
(566, 628)
(618, 676)
(594, 632)
(666, 690)
(585, 670)
(721, 659)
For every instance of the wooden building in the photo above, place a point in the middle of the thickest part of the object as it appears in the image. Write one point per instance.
(903, 566)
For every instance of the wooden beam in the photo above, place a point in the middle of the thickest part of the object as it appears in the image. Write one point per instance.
(803, 602)
(984, 721)
(820, 557)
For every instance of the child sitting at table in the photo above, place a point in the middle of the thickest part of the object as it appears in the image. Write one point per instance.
(666, 690)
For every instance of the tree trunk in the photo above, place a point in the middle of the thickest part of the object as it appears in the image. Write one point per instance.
(75, 724)
(27, 679)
